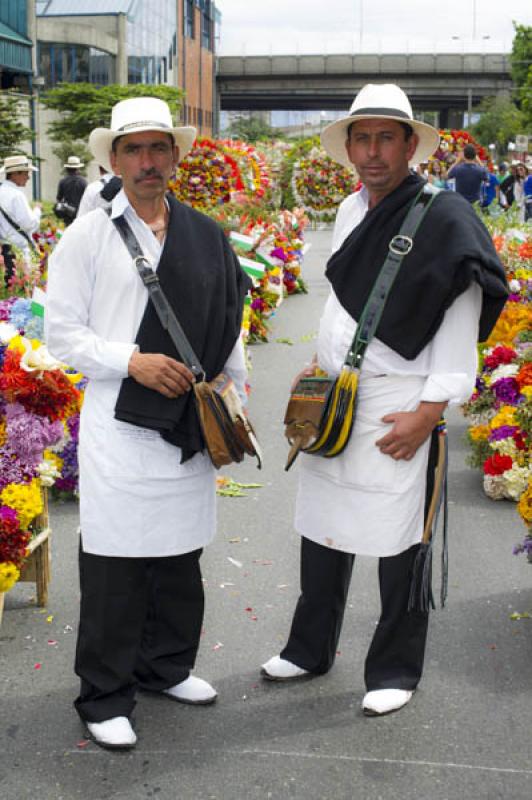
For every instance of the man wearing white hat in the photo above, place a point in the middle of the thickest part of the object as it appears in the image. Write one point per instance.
(147, 486)
(70, 190)
(17, 219)
(371, 499)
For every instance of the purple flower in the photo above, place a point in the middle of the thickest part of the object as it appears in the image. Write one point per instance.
(8, 514)
(279, 253)
(503, 432)
(28, 434)
(506, 390)
(13, 469)
(5, 308)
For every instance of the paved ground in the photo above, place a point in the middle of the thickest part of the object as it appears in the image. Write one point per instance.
(466, 734)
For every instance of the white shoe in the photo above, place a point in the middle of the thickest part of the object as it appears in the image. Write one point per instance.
(384, 701)
(115, 733)
(194, 691)
(279, 669)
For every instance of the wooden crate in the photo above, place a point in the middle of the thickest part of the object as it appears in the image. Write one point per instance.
(36, 568)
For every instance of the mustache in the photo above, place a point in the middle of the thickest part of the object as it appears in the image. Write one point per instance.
(148, 173)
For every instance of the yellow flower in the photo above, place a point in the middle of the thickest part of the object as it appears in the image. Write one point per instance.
(56, 460)
(25, 498)
(479, 432)
(527, 391)
(505, 416)
(524, 505)
(9, 575)
(3, 434)
(16, 343)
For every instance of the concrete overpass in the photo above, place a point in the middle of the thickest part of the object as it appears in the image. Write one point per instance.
(435, 82)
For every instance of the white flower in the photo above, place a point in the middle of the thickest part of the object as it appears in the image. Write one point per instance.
(38, 359)
(48, 472)
(515, 285)
(7, 332)
(516, 481)
(494, 487)
(504, 371)
(506, 447)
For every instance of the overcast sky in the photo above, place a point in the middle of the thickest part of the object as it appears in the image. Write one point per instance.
(261, 27)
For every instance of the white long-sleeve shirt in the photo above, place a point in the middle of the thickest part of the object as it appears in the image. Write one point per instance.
(364, 501)
(136, 498)
(14, 202)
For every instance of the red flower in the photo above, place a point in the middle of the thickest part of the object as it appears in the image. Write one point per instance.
(499, 355)
(497, 464)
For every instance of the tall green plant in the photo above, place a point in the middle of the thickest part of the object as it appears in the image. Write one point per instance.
(521, 61)
(85, 106)
(13, 130)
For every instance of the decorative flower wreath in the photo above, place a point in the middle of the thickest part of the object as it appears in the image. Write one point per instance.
(216, 170)
(319, 184)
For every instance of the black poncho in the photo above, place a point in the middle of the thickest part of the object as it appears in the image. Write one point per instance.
(205, 285)
(451, 249)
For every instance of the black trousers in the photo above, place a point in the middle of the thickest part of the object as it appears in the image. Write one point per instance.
(397, 651)
(140, 625)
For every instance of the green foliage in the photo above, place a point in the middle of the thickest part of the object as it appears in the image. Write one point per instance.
(251, 129)
(521, 56)
(521, 60)
(85, 106)
(499, 123)
(13, 131)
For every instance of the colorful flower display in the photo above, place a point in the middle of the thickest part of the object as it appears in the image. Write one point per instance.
(500, 409)
(37, 400)
(218, 171)
(319, 184)
(454, 141)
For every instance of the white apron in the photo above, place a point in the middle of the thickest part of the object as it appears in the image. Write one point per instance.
(363, 501)
(136, 498)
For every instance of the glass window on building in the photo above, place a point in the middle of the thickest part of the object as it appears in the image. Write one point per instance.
(188, 12)
(151, 28)
(207, 25)
(75, 64)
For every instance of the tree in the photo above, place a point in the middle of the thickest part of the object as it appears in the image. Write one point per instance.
(85, 106)
(521, 61)
(251, 129)
(14, 108)
(499, 122)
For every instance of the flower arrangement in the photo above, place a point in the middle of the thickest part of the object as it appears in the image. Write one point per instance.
(452, 142)
(524, 508)
(270, 245)
(319, 184)
(500, 409)
(37, 397)
(215, 171)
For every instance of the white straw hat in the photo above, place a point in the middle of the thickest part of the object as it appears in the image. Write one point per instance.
(73, 162)
(379, 101)
(135, 115)
(18, 164)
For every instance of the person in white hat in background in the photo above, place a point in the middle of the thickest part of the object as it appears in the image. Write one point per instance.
(18, 220)
(70, 190)
(147, 486)
(372, 498)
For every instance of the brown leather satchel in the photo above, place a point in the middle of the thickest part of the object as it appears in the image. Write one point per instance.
(228, 433)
